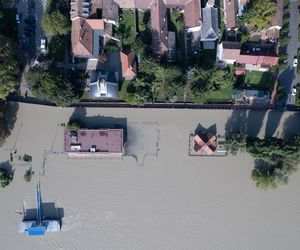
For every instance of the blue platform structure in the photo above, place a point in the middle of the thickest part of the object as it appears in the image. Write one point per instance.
(38, 226)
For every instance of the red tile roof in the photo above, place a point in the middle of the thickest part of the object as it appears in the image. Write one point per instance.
(205, 143)
(230, 11)
(192, 13)
(248, 59)
(82, 35)
(239, 71)
(231, 50)
(159, 26)
(268, 60)
(258, 60)
(128, 62)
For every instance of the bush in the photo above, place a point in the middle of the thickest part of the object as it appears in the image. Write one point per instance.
(5, 178)
(28, 175)
(75, 124)
(111, 47)
(51, 86)
(27, 158)
(284, 41)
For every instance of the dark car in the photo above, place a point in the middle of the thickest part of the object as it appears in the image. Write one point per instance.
(29, 30)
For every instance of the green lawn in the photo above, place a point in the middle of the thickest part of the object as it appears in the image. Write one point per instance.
(144, 20)
(85, 96)
(259, 80)
(220, 96)
(8, 24)
(126, 29)
(123, 88)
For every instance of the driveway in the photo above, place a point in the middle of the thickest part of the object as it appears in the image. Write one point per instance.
(30, 32)
(288, 76)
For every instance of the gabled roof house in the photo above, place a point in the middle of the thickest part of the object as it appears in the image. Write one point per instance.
(191, 11)
(103, 84)
(210, 25)
(87, 37)
(129, 67)
(257, 58)
(230, 13)
(88, 28)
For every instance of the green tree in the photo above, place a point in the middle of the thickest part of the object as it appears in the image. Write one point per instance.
(55, 23)
(259, 13)
(5, 178)
(199, 80)
(263, 181)
(275, 159)
(220, 78)
(203, 81)
(51, 86)
(8, 114)
(235, 143)
(9, 68)
(28, 175)
(75, 124)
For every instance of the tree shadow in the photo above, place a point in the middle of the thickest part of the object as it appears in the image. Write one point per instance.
(245, 122)
(98, 121)
(291, 126)
(273, 121)
(7, 167)
(49, 212)
(237, 122)
(286, 77)
(255, 122)
(262, 166)
(201, 129)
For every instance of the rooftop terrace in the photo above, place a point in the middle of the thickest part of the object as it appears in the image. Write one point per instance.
(94, 141)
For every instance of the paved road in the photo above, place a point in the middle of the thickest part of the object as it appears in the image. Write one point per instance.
(33, 10)
(288, 76)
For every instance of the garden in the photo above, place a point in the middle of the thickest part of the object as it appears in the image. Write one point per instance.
(259, 80)
(126, 29)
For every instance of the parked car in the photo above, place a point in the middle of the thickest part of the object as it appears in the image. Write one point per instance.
(29, 30)
(43, 45)
(295, 62)
(18, 18)
(294, 91)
